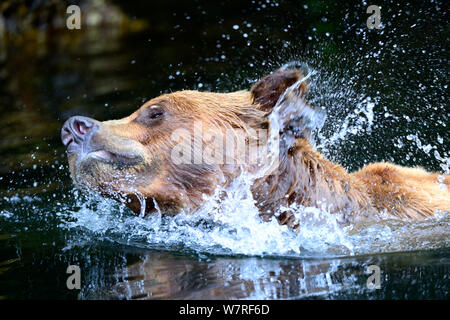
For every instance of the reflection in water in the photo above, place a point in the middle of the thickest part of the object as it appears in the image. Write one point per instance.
(162, 275)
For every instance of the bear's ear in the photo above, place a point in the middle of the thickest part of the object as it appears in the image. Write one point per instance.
(268, 90)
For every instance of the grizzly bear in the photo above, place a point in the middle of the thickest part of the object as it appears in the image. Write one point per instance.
(178, 148)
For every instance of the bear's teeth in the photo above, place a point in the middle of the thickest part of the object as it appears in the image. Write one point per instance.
(101, 154)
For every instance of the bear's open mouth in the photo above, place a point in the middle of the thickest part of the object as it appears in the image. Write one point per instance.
(116, 158)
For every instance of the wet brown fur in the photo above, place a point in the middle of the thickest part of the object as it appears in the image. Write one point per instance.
(303, 176)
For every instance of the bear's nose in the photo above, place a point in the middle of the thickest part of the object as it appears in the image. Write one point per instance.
(76, 130)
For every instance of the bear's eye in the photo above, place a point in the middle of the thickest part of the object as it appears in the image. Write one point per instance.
(151, 115)
(156, 114)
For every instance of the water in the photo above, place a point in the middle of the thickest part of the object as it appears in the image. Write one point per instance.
(385, 99)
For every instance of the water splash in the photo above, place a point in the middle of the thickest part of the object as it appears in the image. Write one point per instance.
(143, 205)
(228, 224)
(293, 111)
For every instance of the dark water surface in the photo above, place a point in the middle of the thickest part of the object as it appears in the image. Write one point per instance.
(385, 92)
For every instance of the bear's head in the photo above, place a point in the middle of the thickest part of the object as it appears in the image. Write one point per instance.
(178, 147)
